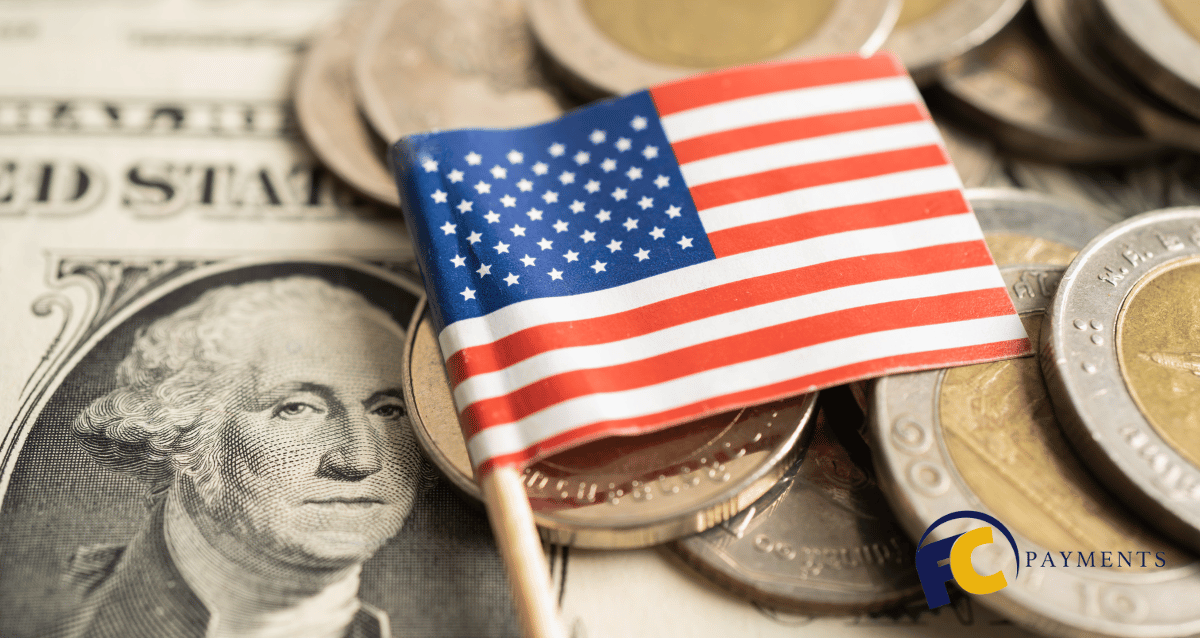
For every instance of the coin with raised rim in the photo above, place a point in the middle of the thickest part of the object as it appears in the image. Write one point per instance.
(1075, 40)
(445, 64)
(1009, 87)
(329, 116)
(622, 491)
(1159, 42)
(984, 438)
(931, 33)
(1121, 356)
(608, 47)
(823, 540)
(1022, 227)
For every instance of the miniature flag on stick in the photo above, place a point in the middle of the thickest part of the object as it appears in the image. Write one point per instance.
(717, 242)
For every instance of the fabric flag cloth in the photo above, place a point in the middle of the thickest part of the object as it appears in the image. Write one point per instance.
(708, 244)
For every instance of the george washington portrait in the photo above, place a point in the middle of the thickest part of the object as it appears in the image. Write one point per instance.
(264, 423)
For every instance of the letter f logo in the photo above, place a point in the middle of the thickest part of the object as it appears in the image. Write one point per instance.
(956, 554)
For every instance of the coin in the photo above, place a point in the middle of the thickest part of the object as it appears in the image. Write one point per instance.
(1159, 42)
(445, 64)
(1008, 87)
(974, 157)
(328, 115)
(931, 33)
(1123, 353)
(984, 438)
(1075, 41)
(619, 46)
(822, 541)
(1022, 227)
(622, 491)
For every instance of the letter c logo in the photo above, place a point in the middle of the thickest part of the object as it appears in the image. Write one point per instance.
(964, 572)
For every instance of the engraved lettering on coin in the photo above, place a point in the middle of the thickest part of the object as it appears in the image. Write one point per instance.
(1158, 335)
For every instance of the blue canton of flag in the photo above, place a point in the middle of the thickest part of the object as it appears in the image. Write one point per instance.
(591, 201)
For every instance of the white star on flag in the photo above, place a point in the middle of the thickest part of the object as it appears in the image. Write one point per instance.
(515, 157)
(598, 266)
(555, 274)
(464, 206)
(567, 177)
(685, 242)
(597, 137)
(673, 212)
(502, 247)
(534, 214)
(517, 231)
(458, 261)
(642, 255)
(633, 173)
(557, 149)
(499, 172)
(630, 223)
(448, 228)
(473, 158)
(657, 233)
(645, 202)
(439, 197)
(483, 187)
(623, 145)
(484, 270)
(512, 279)
(571, 256)
(550, 197)
(528, 261)
(540, 168)
(619, 194)
(613, 246)
(467, 294)
(509, 201)
(576, 206)
(430, 165)
(545, 244)
(560, 226)
(525, 185)
(588, 236)
(492, 217)
(638, 123)
(455, 176)
(582, 158)
(592, 186)
(609, 165)
(603, 216)
(474, 238)
(650, 152)
(662, 181)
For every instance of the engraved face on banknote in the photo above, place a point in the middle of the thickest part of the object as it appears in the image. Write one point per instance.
(238, 451)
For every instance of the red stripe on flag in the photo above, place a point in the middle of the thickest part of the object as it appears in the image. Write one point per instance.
(876, 367)
(747, 346)
(785, 230)
(720, 86)
(705, 146)
(782, 180)
(710, 302)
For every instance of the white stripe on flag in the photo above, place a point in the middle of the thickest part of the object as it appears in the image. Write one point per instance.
(808, 151)
(921, 181)
(787, 105)
(923, 233)
(581, 411)
(500, 383)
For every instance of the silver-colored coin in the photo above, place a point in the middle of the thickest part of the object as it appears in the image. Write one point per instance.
(328, 115)
(1123, 364)
(984, 438)
(607, 47)
(931, 33)
(822, 541)
(1078, 45)
(445, 64)
(1024, 227)
(620, 492)
(1009, 87)
(1159, 42)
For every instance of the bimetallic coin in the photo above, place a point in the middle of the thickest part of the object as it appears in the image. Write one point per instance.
(618, 46)
(1159, 42)
(328, 115)
(984, 438)
(1122, 359)
(445, 64)
(620, 492)
(822, 541)
(931, 33)
(1076, 42)
(1009, 87)
(1022, 227)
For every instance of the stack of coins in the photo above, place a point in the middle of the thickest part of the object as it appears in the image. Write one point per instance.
(1069, 114)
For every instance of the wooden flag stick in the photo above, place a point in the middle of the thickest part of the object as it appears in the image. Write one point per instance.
(521, 548)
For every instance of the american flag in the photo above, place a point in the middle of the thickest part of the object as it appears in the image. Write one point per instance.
(708, 244)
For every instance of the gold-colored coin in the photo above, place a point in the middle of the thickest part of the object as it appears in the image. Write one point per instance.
(708, 33)
(1158, 347)
(1000, 431)
(916, 10)
(1186, 13)
(1014, 248)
